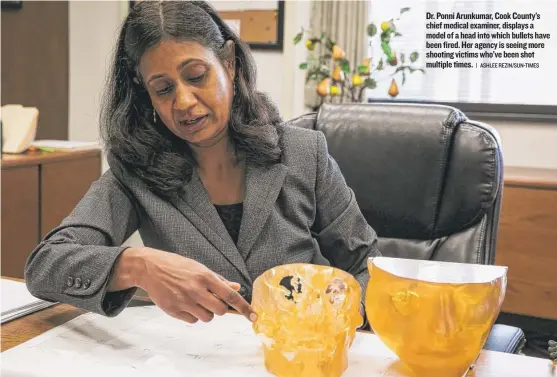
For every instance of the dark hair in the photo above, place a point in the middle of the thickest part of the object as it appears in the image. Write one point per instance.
(145, 147)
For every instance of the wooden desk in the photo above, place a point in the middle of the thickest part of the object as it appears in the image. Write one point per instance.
(489, 364)
(38, 190)
(23, 329)
(527, 241)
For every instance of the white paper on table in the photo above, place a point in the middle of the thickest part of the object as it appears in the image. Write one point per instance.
(144, 341)
(17, 301)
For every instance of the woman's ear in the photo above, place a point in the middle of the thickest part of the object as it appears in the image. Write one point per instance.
(231, 58)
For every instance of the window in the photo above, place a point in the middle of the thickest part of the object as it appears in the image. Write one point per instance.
(503, 90)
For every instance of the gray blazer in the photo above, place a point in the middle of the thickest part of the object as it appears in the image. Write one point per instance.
(296, 211)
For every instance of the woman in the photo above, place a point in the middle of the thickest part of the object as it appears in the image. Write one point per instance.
(202, 165)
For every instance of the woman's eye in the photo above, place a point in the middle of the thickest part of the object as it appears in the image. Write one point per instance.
(164, 91)
(197, 78)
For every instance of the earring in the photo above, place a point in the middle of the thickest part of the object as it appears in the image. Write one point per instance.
(154, 116)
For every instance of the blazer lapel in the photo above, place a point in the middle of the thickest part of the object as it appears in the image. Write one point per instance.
(263, 185)
(197, 207)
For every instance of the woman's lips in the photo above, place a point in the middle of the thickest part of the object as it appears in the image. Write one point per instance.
(194, 124)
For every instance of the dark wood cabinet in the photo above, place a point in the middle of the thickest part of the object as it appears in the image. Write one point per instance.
(527, 242)
(20, 217)
(38, 190)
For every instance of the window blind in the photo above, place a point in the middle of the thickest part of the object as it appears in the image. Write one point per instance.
(495, 83)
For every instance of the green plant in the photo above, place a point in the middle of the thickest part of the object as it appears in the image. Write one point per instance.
(338, 80)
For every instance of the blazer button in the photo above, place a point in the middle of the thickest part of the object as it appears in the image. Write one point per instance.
(77, 283)
(69, 282)
(243, 291)
(86, 283)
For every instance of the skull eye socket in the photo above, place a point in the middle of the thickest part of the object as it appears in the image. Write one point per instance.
(336, 286)
(336, 290)
(292, 285)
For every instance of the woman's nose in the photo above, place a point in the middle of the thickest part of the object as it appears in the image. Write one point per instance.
(185, 98)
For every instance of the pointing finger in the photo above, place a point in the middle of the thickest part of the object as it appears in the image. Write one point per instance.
(233, 299)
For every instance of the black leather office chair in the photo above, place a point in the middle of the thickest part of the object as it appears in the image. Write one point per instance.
(427, 179)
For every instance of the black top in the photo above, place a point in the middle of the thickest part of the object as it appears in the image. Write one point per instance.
(231, 216)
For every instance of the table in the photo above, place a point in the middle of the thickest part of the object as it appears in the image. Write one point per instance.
(489, 364)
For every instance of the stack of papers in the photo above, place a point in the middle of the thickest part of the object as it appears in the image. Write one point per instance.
(17, 301)
(64, 145)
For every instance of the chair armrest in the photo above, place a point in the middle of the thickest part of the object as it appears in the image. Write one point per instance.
(506, 339)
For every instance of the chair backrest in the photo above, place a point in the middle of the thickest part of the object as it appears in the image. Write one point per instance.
(427, 179)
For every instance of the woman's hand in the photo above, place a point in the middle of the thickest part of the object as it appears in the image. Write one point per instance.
(182, 287)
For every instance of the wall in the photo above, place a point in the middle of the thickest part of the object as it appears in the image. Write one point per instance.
(35, 63)
(93, 32)
(297, 16)
(528, 144)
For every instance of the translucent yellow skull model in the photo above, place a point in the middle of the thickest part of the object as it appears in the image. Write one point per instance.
(307, 319)
(436, 316)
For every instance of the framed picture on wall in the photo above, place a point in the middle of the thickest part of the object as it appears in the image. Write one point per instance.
(258, 23)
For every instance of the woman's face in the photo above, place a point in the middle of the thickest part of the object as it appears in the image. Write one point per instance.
(191, 90)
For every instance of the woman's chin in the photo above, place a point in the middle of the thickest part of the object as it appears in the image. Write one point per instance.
(195, 137)
(203, 140)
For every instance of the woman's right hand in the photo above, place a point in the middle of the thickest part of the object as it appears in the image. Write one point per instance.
(182, 287)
